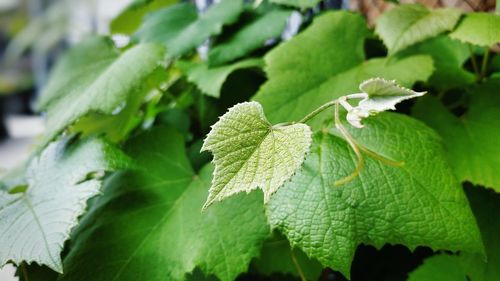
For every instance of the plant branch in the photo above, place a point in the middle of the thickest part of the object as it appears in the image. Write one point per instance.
(318, 111)
(297, 266)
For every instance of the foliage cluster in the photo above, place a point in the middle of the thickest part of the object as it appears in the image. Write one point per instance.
(116, 187)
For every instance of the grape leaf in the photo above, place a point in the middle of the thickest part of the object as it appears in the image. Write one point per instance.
(479, 29)
(76, 68)
(303, 75)
(130, 18)
(182, 30)
(381, 95)
(440, 267)
(250, 152)
(448, 56)
(250, 37)
(299, 67)
(419, 203)
(297, 3)
(34, 223)
(405, 25)
(149, 219)
(105, 87)
(486, 207)
(211, 79)
(472, 140)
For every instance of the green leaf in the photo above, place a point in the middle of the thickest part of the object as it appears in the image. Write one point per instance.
(278, 257)
(250, 152)
(130, 18)
(419, 203)
(118, 125)
(448, 56)
(486, 207)
(381, 95)
(479, 29)
(182, 30)
(210, 79)
(34, 224)
(105, 87)
(405, 25)
(440, 267)
(304, 75)
(297, 3)
(250, 37)
(297, 68)
(150, 223)
(78, 67)
(472, 141)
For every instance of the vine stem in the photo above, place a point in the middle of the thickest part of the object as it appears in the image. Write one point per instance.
(352, 144)
(318, 111)
(297, 266)
(357, 148)
(485, 63)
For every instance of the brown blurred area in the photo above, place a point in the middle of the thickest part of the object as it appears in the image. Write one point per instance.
(373, 8)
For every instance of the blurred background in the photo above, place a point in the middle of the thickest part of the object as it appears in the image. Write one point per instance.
(34, 33)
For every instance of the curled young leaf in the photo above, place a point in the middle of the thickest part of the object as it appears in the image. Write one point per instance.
(250, 152)
(378, 95)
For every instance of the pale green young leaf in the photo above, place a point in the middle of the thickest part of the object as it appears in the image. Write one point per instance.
(182, 29)
(149, 221)
(35, 223)
(381, 95)
(250, 37)
(103, 88)
(249, 152)
(479, 29)
(440, 267)
(405, 25)
(297, 3)
(472, 141)
(211, 79)
(303, 75)
(419, 203)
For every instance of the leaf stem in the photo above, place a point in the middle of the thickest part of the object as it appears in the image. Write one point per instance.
(485, 63)
(475, 65)
(297, 266)
(318, 111)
